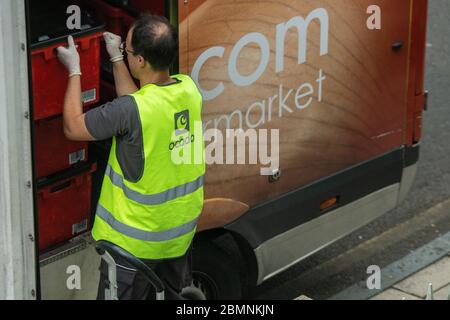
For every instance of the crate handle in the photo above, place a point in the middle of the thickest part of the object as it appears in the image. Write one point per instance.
(56, 189)
(82, 44)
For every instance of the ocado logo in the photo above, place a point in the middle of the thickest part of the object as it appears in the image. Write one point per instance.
(182, 127)
(182, 122)
(183, 141)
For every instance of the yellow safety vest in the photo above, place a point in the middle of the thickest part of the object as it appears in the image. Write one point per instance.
(156, 217)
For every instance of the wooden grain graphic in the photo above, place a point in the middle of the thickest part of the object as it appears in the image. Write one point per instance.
(359, 115)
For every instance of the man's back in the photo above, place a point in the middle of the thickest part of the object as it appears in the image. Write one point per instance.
(151, 197)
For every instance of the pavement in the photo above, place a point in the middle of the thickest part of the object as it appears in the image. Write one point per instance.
(415, 287)
(422, 275)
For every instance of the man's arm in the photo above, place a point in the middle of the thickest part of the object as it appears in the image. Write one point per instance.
(74, 125)
(122, 78)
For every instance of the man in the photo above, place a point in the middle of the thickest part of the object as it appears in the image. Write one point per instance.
(149, 204)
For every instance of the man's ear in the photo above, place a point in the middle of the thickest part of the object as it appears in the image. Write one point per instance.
(141, 61)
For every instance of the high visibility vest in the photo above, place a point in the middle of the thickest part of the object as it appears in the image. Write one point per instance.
(156, 217)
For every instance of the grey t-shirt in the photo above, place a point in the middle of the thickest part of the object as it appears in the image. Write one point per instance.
(120, 119)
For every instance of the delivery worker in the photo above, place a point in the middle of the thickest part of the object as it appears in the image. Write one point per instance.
(149, 204)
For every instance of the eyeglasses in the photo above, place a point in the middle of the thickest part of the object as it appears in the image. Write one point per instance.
(123, 48)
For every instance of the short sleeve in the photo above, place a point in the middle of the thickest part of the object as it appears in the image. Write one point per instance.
(111, 119)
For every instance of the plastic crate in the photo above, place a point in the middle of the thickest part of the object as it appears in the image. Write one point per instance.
(48, 26)
(55, 153)
(135, 7)
(116, 19)
(50, 77)
(64, 208)
(153, 7)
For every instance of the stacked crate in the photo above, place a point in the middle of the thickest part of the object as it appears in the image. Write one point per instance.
(67, 177)
(118, 16)
(61, 166)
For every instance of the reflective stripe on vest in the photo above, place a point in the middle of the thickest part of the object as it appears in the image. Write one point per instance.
(145, 235)
(154, 199)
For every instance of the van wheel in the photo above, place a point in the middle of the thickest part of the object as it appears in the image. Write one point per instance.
(215, 275)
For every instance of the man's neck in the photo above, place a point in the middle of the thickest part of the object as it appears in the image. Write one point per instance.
(158, 78)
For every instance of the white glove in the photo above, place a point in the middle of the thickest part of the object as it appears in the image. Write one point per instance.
(70, 58)
(113, 43)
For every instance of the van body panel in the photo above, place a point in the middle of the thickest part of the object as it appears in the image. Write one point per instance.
(277, 250)
(251, 60)
(287, 249)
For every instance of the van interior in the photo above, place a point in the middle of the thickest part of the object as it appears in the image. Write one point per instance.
(68, 175)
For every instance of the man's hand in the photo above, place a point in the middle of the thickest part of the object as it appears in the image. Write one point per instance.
(122, 78)
(113, 42)
(70, 58)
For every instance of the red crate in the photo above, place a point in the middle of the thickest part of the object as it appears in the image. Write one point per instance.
(49, 76)
(64, 209)
(153, 7)
(55, 153)
(116, 19)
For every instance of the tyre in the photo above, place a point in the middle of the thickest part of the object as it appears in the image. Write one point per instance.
(215, 275)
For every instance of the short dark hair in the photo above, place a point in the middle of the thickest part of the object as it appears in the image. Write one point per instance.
(156, 40)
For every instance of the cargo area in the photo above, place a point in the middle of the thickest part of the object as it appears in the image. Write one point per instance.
(68, 175)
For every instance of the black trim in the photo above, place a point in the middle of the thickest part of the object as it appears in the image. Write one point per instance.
(295, 208)
(177, 81)
(63, 39)
(66, 174)
(412, 155)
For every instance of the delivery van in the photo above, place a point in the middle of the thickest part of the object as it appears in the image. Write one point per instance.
(336, 86)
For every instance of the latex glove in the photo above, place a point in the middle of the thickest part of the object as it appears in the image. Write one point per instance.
(70, 58)
(113, 43)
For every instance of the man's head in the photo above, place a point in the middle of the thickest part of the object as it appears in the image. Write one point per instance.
(151, 45)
